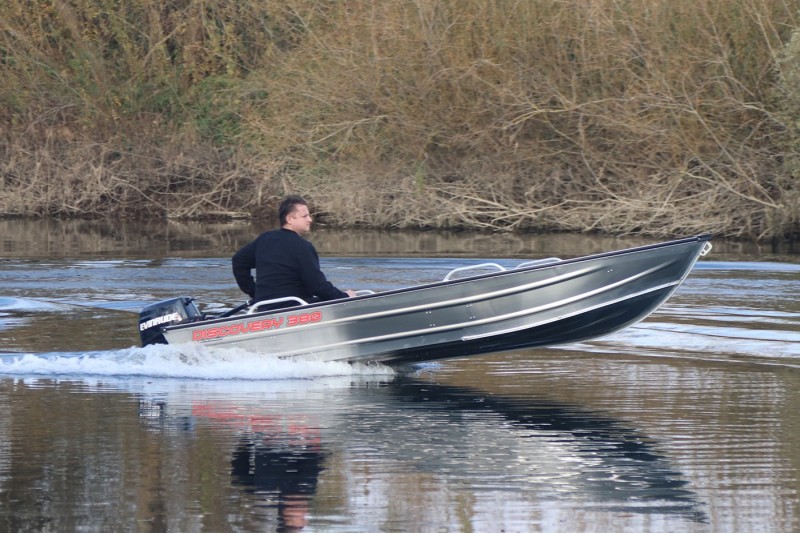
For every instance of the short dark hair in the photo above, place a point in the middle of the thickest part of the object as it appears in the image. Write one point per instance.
(288, 205)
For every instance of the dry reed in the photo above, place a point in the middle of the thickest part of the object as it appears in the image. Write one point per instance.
(658, 117)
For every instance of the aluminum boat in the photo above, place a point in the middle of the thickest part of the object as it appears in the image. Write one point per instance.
(538, 303)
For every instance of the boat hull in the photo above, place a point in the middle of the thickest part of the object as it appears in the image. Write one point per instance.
(562, 302)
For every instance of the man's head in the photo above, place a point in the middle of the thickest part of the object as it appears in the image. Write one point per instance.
(294, 215)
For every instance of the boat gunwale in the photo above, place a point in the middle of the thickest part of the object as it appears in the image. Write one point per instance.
(468, 324)
(217, 320)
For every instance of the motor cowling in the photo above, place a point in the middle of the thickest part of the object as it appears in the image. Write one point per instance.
(153, 318)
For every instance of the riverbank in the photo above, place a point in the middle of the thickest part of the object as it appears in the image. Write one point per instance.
(155, 240)
(564, 116)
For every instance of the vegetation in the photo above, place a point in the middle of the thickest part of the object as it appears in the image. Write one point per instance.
(658, 117)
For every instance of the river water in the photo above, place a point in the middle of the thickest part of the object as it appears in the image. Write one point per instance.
(688, 421)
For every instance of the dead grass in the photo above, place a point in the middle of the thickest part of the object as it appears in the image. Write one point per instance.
(658, 117)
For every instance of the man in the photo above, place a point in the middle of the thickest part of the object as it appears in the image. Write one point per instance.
(286, 264)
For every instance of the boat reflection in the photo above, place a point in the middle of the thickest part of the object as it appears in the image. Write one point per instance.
(276, 457)
(287, 436)
(581, 451)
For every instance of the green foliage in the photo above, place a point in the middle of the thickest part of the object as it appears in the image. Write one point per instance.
(215, 103)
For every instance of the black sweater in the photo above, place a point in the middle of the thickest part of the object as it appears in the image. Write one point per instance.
(286, 266)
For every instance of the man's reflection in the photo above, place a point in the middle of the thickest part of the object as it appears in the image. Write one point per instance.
(286, 470)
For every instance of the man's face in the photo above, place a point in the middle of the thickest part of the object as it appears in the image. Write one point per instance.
(299, 220)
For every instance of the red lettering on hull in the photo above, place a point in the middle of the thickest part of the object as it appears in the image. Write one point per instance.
(216, 332)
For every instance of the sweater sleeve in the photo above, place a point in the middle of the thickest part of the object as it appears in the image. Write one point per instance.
(243, 262)
(314, 279)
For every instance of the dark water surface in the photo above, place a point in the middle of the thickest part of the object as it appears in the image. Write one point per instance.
(688, 421)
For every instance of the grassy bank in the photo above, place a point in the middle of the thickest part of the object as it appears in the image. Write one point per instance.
(659, 117)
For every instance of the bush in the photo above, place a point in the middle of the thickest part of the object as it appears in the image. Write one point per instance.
(659, 117)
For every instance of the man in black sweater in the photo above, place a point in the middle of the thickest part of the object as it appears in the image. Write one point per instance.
(286, 264)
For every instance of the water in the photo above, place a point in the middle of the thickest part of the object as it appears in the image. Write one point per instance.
(688, 421)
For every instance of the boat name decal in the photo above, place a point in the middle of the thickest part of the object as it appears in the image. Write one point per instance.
(175, 316)
(256, 326)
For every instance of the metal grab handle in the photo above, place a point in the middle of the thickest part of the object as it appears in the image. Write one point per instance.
(470, 267)
(538, 262)
(499, 267)
(258, 304)
(364, 292)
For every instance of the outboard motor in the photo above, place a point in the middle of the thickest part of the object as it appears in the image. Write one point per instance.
(153, 318)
